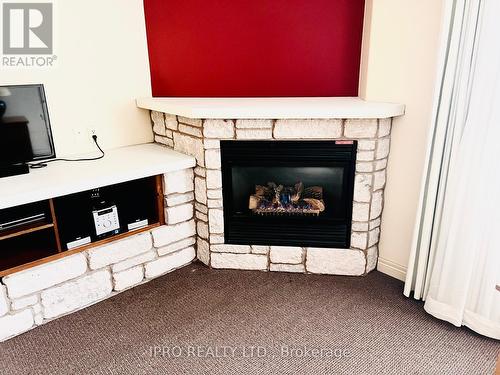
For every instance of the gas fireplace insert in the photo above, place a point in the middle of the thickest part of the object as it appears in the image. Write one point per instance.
(288, 193)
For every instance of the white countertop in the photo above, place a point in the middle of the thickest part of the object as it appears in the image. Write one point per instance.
(119, 165)
(272, 108)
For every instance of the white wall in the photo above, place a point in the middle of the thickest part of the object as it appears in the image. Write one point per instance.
(399, 64)
(102, 67)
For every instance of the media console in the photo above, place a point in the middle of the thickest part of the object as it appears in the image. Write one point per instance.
(64, 225)
(59, 205)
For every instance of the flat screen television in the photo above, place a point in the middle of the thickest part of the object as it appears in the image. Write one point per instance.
(24, 114)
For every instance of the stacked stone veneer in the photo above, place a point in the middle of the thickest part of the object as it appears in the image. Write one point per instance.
(32, 297)
(201, 139)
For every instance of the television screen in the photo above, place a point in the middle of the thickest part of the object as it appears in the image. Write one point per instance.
(26, 104)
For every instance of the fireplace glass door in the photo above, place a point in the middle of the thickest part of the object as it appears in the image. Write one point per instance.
(288, 193)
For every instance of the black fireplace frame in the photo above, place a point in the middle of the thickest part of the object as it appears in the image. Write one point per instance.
(294, 230)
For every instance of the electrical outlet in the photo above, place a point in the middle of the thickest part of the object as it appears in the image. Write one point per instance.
(91, 132)
(83, 137)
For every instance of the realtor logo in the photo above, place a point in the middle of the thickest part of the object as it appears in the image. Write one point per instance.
(27, 29)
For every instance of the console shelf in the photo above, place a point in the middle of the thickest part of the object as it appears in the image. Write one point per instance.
(60, 191)
(68, 218)
(119, 165)
(25, 229)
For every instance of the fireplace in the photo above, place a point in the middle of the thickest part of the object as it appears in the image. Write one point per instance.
(286, 185)
(288, 193)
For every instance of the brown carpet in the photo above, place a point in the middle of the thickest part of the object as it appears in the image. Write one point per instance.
(298, 324)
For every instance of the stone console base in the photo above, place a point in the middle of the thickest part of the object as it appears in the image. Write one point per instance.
(201, 139)
(37, 295)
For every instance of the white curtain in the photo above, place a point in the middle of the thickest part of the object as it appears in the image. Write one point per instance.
(455, 261)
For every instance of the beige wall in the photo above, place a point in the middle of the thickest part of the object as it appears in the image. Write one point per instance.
(102, 67)
(399, 64)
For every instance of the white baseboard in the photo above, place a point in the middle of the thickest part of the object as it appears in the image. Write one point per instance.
(392, 269)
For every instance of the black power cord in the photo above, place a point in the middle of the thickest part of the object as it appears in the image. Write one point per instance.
(43, 164)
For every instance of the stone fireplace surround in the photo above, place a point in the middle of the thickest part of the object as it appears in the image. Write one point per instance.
(201, 138)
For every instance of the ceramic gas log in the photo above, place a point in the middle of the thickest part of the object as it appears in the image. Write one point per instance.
(273, 199)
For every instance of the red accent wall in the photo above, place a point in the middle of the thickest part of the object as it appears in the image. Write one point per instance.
(254, 47)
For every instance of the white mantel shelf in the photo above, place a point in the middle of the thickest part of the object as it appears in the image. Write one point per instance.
(272, 108)
(119, 165)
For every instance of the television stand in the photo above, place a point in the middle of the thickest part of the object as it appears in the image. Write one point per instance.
(130, 177)
(64, 220)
